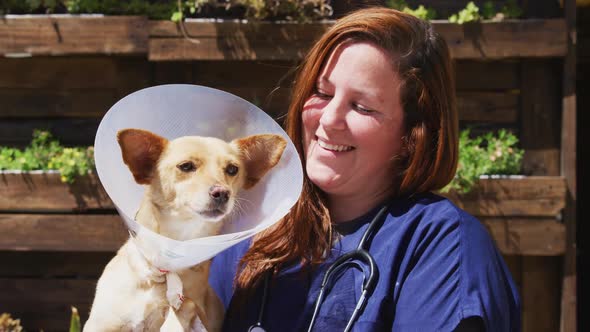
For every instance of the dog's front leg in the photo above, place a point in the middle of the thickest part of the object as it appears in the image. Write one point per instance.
(174, 292)
(144, 270)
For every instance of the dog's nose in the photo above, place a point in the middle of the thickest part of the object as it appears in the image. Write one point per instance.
(219, 194)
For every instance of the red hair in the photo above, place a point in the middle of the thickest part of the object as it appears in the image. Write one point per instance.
(430, 143)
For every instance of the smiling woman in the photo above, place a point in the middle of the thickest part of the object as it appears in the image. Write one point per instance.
(373, 115)
(353, 129)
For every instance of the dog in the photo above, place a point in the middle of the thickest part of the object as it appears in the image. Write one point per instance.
(191, 187)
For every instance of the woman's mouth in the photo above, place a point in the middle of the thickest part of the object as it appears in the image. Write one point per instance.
(334, 147)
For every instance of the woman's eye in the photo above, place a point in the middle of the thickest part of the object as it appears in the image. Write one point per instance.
(362, 110)
(321, 94)
(187, 166)
(231, 170)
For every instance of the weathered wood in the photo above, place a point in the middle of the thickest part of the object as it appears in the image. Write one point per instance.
(69, 131)
(488, 107)
(61, 232)
(63, 35)
(539, 116)
(540, 293)
(46, 192)
(267, 41)
(52, 264)
(30, 103)
(487, 75)
(527, 236)
(75, 72)
(529, 196)
(569, 284)
(44, 304)
(508, 39)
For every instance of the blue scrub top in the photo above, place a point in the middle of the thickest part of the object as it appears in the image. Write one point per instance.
(437, 266)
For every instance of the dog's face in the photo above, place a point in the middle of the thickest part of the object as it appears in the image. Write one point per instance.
(198, 177)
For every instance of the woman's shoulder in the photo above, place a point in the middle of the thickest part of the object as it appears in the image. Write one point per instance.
(435, 220)
(434, 211)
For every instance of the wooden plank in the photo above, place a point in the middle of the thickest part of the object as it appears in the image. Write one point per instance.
(569, 284)
(60, 232)
(540, 293)
(177, 49)
(268, 41)
(69, 131)
(540, 116)
(30, 103)
(46, 192)
(32, 35)
(53, 264)
(490, 107)
(529, 196)
(487, 75)
(507, 39)
(223, 73)
(527, 236)
(75, 72)
(44, 304)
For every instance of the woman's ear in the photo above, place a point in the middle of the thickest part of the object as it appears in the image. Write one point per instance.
(259, 154)
(141, 151)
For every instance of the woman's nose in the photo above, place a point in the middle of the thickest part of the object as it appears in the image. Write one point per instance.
(334, 115)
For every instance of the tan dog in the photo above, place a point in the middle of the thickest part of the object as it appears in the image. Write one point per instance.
(192, 184)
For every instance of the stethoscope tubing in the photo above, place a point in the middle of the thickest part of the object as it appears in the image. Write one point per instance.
(361, 253)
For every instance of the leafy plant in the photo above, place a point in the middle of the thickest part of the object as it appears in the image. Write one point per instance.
(289, 10)
(8, 324)
(45, 153)
(488, 154)
(420, 12)
(488, 11)
(468, 14)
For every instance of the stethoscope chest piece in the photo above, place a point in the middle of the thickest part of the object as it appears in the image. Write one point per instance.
(256, 329)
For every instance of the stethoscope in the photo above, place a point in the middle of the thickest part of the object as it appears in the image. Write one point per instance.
(351, 258)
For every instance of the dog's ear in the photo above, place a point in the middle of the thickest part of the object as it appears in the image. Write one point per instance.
(260, 153)
(141, 150)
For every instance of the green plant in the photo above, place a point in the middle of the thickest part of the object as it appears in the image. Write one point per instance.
(420, 12)
(488, 154)
(272, 10)
(8, 324)
(45, 153)
(488, 11)
(75, 321)
(468, 14)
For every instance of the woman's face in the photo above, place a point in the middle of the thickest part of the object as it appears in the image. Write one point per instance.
(353, 124)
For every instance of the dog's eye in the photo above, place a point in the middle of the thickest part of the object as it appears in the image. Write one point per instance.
(187, 166)
(231, 170)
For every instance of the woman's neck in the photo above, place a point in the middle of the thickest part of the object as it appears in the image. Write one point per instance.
(346, 208)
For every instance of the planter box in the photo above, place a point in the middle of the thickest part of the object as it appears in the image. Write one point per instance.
(42, 35)
(522, 215)
(235, 40)
(42, 213)
(39, 212)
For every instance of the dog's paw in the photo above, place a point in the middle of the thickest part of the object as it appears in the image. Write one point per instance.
(175, 300)
(157, 275)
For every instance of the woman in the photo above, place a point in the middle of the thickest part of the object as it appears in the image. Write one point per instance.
(373, 117)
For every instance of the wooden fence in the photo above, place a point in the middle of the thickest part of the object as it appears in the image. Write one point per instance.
(64, 73)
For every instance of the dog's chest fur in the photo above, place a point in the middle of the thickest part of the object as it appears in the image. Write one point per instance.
(178, 228)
